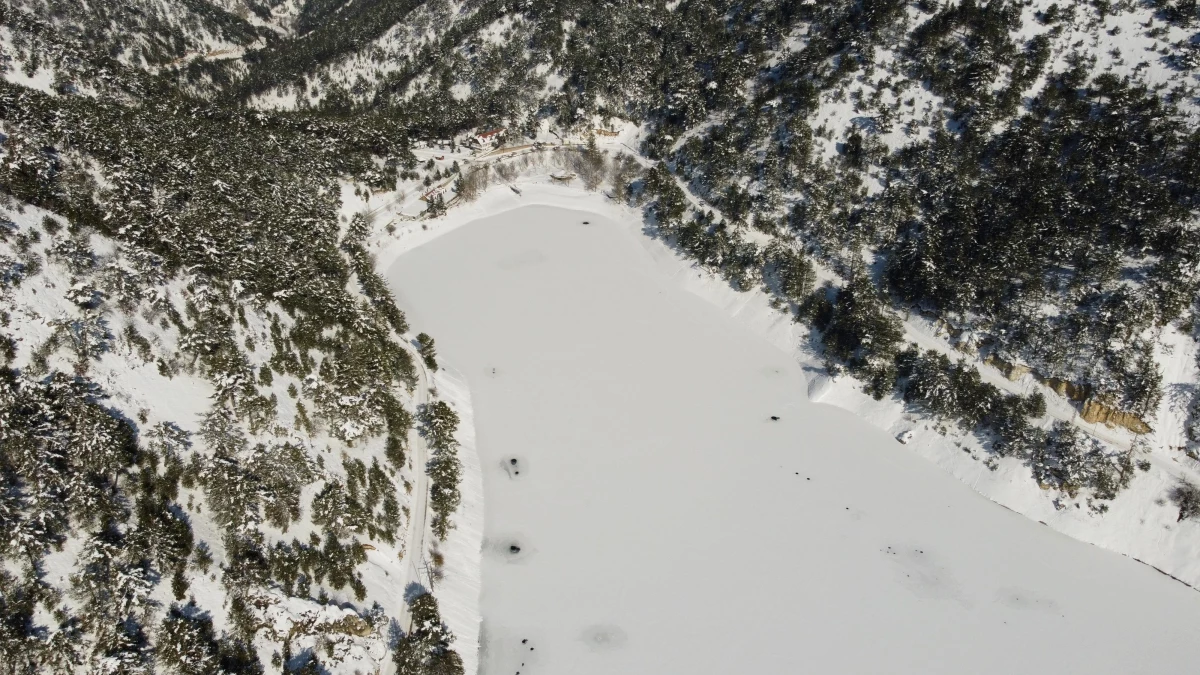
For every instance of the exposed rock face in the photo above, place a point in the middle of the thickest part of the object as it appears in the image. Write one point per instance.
(1070, 390)
(291, 618)
(1095, 411)
(965, 342)
(941, 327)
(1016, 371)
(349, 625)
(1013, 371)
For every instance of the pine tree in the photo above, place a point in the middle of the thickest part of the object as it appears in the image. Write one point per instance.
(233, 493)
(425, 650)
(186, 642)
(221, 433)
(439, 423)
(426, 349)
(864, 334)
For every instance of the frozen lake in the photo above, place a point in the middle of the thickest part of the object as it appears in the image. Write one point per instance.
(666, 525)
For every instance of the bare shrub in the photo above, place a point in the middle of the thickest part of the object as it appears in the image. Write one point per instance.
(591, 166)
(472, 183)
(623, 171)
(506, 172)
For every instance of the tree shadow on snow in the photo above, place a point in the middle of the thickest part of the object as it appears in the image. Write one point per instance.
(413, 591)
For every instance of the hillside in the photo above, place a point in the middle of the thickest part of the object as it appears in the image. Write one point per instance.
(213, 414)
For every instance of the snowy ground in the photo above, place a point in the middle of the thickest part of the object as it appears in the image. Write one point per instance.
(666, 524)
(458, 589)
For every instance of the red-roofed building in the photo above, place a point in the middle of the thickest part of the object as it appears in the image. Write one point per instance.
(487, 139)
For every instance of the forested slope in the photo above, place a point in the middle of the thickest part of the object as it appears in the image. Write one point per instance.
(207, 389)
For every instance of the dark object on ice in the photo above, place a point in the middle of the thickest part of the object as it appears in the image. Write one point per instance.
(774, 418)
(514, 549)
(513, 461)
(524, 641)
(587, 222)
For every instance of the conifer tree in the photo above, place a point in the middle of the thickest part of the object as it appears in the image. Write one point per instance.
(427, 350)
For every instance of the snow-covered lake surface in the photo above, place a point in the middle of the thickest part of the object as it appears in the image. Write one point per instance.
(666, 524)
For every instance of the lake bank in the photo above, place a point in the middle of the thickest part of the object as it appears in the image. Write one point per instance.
(665, 524)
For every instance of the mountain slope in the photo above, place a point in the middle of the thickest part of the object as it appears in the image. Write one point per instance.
(985, 211)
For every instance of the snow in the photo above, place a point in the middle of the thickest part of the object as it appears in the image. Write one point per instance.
(554, 82)
(665, 524)
(368, 66)
(1175, 354)
(459, 589)
(42, 79)
(138, 390)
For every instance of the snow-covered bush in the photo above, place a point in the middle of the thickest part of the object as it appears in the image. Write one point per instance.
(1071, 461)
(1187, 497)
